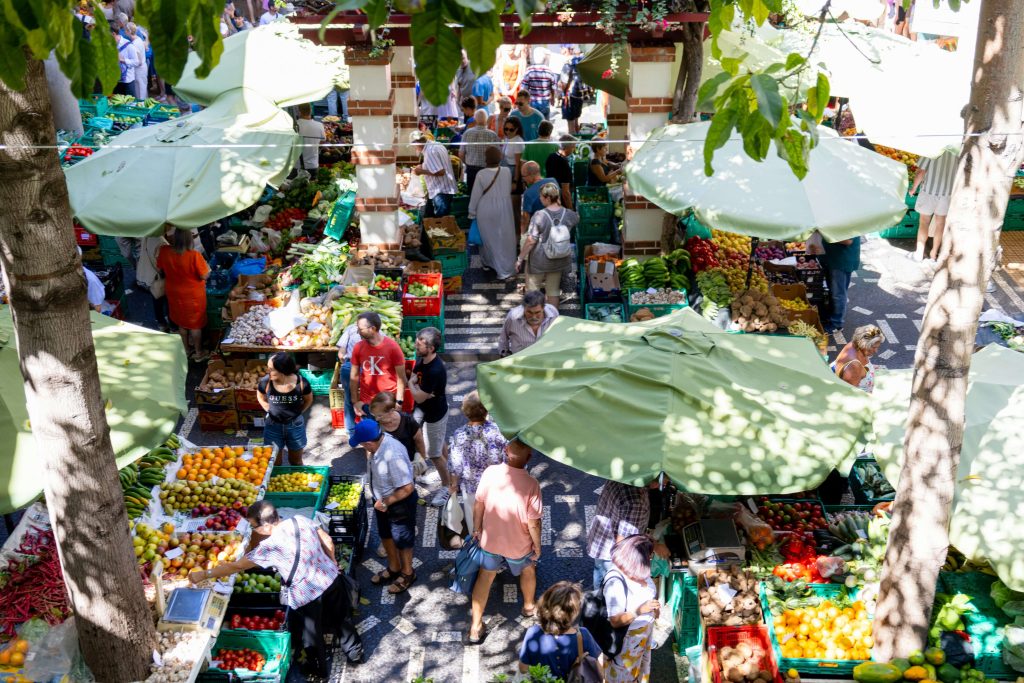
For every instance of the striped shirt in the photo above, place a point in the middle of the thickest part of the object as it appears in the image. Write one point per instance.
(315, 571)
(939, 174)
(540, 81)
(475, 153)
(516, 333)
(435, 158)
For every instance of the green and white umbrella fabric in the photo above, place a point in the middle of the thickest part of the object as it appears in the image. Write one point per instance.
(719, 413)
(188, 171)
(848, 191)
(988, 503)
(142, 376)
(273, 60)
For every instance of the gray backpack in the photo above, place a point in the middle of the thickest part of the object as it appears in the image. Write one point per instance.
(586, 668)
(558, 243)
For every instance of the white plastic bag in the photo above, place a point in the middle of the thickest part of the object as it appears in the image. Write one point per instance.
(451, 525)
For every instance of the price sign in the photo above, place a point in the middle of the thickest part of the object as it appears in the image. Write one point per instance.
(174, 553)
(332, 506)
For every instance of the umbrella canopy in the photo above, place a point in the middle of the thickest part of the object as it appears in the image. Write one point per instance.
(142, 375)
(988, 504)
(848, 191)
(189, 171)
(719, 413)
(273, 60)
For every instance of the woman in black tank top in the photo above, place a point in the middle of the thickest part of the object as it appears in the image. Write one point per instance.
(285, 395)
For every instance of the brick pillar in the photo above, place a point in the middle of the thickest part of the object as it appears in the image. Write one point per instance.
(649, 104)
(403, 81)
(618, 123)
(371, 106)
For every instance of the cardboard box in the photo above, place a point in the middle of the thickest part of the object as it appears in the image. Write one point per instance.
(590, 250)
(809, 316)
(242, 248)
(453, 239)
(218, 419)
(413, 267)
(240, 399)
(251, 419)
(796, 292)
(602, 278)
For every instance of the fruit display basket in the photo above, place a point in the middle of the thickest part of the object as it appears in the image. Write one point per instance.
(280, 633)
(278, 658)
(314, 498)
(719, 637)
(453, 263)
(346, 516)
(657, 309)
(683, 591)
(423, 305)
(592, 203)
(240, 599)
(985, 624)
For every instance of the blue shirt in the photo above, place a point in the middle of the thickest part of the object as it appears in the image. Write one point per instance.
(531, 196)
(558, 653)
(530, 123)
(844, 257)
(483, 88)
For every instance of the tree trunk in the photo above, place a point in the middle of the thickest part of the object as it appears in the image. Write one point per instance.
(684, 97)
(51, 321)
(991, 154)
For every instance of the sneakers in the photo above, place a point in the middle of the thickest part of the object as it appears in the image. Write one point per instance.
(440, 498)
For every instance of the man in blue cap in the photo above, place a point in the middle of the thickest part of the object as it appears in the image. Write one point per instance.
(394, 502)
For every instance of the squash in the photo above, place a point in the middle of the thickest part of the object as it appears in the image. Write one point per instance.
(876, 672)
(915, 673)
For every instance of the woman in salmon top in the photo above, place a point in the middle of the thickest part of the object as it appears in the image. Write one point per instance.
(185, 272)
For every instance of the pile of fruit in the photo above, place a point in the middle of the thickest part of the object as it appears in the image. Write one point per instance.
(825, 631)
(150, 542)
(747, 662)
(730, 241)
(386, 282)
(348, 307)
(346, 495)
(669, 271)
(182, 496)
(800, 561)
(228, 462)
(757, 311)
(139, 478)
(282, 220)
(77, 151)
(420, 289)
(230, 379)
(873, 480)
(198, 550)
(247, 582)
(296, 482)
(239, 659)
(714, 285)
(930, 665)
(791, 516)
(220, 518)
(703, 253)
(769, 252)
(803, 329)
(257, 623)
(794, 304)
(657, 296)
(728, 596)
(123, 122)
(911, 160)
(796, 246)
(315, 334)
(13, 654)
(408, 345)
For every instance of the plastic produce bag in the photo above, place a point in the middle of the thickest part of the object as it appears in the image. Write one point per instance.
(759, 533)
(830, 566)
(249, 266)
(451, 524)
(53, 655)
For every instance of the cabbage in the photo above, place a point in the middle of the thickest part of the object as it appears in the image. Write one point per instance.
(1002, 594)
(1013, 645)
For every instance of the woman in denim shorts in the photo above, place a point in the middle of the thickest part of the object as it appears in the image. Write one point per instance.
(286, 396)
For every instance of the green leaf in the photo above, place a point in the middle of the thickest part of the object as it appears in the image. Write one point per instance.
(437, 53)
(746, 7)
(168, 24)
(104, 52)
(206, 38)
(377, 12)
(525, 10)
(769, 102)
(793, 60)
(792, 147)
(481, 38)
(731, 64)
(757, 136)
(709, 89)
(761, 12)
(817, 97)
(12, 57)
(721, 127)
(477, 5)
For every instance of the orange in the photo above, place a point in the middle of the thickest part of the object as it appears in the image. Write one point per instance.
(182, 473)
(5, 657)
(239, 450)
(17, 659)
(21, 645)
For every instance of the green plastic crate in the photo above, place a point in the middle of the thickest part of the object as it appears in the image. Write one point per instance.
(985, 625)
(829, 667)
(319, 380)
(593, 230)
(460, 205)
(683, 600)
(313, 499)
(579, 172)
(657, 309)
(904, 230)
(453, 263)
(860, 493)
(592, 203)
(599, 304)
(412, 324)
(277, 652)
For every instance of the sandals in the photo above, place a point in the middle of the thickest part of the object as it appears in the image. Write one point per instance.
(402, 583)
(383, 578)
(470, 640)
(529, 613)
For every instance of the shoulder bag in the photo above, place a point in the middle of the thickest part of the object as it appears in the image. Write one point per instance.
(586, 668)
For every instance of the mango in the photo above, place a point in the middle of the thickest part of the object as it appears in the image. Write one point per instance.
(915, 673)
(916, 657)
(935, 655)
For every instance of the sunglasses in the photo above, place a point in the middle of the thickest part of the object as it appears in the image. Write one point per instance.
(509, 129)
(506, 108)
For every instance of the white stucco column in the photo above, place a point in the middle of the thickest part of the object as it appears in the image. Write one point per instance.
(618, 123)
(371, 107)
(403, 81)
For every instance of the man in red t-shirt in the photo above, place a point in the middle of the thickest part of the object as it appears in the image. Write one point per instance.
(378, 364)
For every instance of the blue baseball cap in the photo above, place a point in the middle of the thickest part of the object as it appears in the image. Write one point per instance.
(367, 430)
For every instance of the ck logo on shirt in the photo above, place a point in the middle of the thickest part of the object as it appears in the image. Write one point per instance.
(371, 367)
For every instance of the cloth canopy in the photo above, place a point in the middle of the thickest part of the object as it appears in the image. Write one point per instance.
(848, 191)
(273, 60)
(189, 171)
(142, 376)
(718, 412)
(989, 500)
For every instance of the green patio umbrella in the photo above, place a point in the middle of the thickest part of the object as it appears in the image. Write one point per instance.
(189, 171)
(988, 504)
(274, 60)
(849, 190)
(719, 413)
(142, 374)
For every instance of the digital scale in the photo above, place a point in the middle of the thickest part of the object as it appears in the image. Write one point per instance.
(711, 543)
(194, 609)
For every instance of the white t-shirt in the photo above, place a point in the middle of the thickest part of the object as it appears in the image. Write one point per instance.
(268, 18)
(622, 597)
(312, 133)
(95, 291)
(512, 147)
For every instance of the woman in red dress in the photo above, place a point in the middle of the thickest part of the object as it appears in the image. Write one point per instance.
(185, 272)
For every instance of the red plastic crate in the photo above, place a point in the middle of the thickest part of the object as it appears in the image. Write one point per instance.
(423, 306)
(337, 418)
(731, 636)
(84, 238)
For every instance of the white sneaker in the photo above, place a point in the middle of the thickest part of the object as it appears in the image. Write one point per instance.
(440, 498)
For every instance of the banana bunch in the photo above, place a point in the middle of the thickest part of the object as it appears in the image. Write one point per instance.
(139, 478)
(173, 442)
(631, 274)
(957, 562)
(656, 272)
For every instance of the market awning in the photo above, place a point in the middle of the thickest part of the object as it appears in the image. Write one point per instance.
(188, 171)
(142, 374)
(848, 191)
(989, 500)
(273, 60)
(719, 413)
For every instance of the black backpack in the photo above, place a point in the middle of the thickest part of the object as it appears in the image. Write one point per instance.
(594, 618)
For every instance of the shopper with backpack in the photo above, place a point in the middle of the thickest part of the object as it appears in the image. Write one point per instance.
(548, 249)
(568, 650)
(631, 605)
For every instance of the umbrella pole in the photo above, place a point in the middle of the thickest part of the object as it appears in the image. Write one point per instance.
(750, 262)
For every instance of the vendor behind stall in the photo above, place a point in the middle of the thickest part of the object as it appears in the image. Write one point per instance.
(303, 554)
